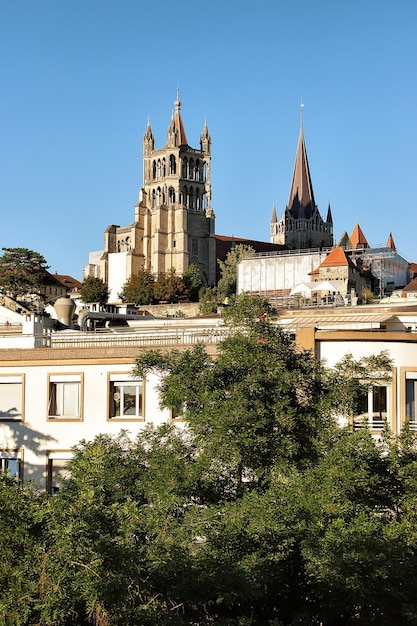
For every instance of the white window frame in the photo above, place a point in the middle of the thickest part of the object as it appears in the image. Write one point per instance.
(125, 381)
(18, 380)
(15, 456)
(56, 396)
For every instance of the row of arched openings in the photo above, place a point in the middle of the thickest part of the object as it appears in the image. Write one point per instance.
(191, 197)
(191, 169)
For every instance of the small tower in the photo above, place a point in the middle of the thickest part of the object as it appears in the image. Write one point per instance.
(301, 225)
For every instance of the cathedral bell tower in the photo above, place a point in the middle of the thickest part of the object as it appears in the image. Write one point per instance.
(301, 225)
(174, 211)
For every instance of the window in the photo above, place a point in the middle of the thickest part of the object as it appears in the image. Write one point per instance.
(177, 413)
(12, 397)
(410, 398)
(56, 469)
(126, 398)
(374, 408)
(65, 396)
(11, 463)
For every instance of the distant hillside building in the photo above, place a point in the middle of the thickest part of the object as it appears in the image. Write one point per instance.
(174, 223)
(301, 226)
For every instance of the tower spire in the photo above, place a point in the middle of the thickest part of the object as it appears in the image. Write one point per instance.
(177, 127)
(301, 198)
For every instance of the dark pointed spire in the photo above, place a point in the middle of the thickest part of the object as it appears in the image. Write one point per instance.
(329, 218)
(301, 191)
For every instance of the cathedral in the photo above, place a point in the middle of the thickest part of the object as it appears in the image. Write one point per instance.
(301, 227)
(174, 223)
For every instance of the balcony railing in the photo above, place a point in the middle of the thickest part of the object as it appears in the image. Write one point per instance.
(162, 338)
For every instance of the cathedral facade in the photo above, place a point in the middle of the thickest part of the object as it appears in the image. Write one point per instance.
(174, 223)
(301, 226)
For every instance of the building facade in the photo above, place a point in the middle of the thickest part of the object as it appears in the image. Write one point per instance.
(174, 222)
(59, 387)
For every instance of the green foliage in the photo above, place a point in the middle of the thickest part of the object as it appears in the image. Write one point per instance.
(208, 300)
(139, 288)
(94, 290)
(169, 287)
(22, 272)
(246, 311)
(350, 379)
(21, 549)
(258, 511)
(193, 282)
(228, 269)
(255, 405)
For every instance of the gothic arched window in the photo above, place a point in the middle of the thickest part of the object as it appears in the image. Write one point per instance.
(172, 164)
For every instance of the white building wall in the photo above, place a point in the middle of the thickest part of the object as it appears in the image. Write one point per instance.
(262, 274)
(403, 355)
(117, 274)
(37, 435)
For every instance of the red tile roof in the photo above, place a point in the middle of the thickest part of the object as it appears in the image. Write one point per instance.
(337, 258)
(358, 239)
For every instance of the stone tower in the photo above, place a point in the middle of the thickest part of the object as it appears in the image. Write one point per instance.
(174, 223)
(301, 226)
(175, 202)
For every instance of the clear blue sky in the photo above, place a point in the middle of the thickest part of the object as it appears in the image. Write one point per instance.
(79, 79)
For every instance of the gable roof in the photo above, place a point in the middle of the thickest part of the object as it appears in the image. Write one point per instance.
(224, 244)
(337, 258)
(67, 281)
(411, 287)
(358, 239)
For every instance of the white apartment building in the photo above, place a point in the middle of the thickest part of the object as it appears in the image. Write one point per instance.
(60, 387)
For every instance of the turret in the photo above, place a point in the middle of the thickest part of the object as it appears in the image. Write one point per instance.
(205, 139)
(148, 139)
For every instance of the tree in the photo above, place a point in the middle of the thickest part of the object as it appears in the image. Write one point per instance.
(193, 282)
(94, 290)
(259, 510)
(169, 287)
(22, 272)
(359, 547)
(228, 268)
(257, 404)
(139, 288)
(208, 300)
(22, 550)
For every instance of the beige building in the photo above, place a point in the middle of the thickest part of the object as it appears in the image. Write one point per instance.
(174, 223)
